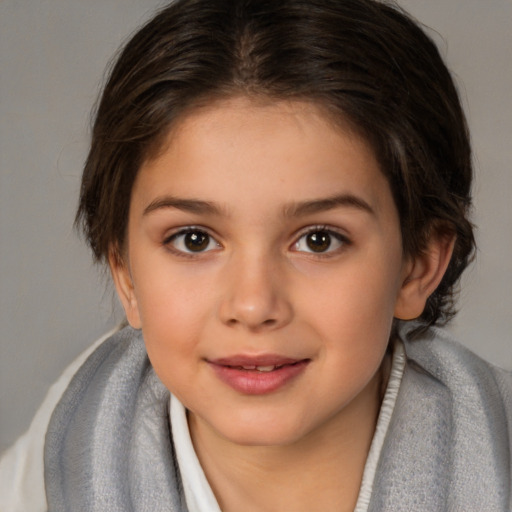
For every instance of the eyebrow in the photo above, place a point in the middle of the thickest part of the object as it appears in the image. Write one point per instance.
(187, 205)
(329, 203)
(299, 209)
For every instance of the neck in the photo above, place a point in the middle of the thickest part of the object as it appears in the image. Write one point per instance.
(321, 471)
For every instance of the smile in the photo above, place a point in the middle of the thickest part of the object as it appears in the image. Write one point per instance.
(270, 368)
(258, 376)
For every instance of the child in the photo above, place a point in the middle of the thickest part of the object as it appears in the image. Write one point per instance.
(281, 190)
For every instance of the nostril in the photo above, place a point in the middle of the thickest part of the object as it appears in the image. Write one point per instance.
(267, 323)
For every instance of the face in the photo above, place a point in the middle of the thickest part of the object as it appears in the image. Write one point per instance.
(264, 264)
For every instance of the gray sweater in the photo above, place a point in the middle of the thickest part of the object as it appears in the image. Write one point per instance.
(109, 445)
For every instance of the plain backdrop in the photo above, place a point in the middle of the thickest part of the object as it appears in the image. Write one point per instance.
(54, 302)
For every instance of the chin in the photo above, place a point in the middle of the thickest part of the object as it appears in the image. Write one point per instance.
(261, 432)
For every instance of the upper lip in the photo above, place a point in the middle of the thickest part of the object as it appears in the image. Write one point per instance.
(256, 360)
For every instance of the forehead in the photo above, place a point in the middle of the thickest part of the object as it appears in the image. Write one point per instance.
(243, 151)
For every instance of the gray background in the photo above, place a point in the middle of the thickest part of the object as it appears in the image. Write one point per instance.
(54, 302)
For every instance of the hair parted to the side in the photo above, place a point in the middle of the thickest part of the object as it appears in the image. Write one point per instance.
(362, 61)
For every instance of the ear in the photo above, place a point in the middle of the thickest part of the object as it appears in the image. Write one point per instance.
(124, 286)
(422, 275)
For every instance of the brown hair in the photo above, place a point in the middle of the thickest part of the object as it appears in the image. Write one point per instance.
(362, 60)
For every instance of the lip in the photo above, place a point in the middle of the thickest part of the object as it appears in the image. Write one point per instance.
(252, 381)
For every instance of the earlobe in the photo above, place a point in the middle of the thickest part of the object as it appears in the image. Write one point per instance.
(422, 275)
(125, 289)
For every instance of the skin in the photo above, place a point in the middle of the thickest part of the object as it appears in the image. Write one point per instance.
(256, 178)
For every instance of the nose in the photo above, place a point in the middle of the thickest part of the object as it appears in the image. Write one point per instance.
(255, 295)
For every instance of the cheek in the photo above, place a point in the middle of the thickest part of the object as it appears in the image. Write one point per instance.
(352, 310)
(174, 313)
(171, 295)
(352, 296)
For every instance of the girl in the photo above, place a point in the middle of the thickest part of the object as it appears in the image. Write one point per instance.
(281, 190)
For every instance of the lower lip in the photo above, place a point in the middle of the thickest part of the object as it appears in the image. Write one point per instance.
(253, 382)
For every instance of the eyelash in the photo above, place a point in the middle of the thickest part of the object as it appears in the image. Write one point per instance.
(168, 241)
(342, 240)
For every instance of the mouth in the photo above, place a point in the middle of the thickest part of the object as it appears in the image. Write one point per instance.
(258, 375)
(261, 368)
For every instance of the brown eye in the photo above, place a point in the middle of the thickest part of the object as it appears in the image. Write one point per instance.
(320, 241)
(196, 241)
(192, 241)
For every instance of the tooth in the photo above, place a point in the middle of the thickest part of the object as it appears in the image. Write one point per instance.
(265, 368)
(252, 367)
